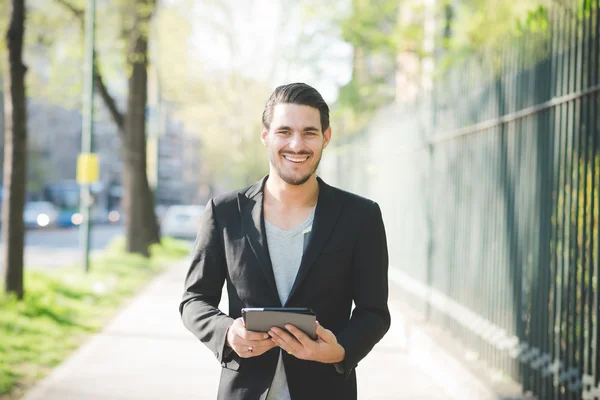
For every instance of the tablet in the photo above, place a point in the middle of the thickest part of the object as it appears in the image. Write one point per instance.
(263, 319)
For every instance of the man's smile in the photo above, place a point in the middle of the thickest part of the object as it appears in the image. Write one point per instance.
(296, 159)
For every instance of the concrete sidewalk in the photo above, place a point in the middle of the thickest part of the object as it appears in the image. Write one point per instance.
(146, 353)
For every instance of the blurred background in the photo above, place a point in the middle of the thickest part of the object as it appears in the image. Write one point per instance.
(208, 67)
(473, 123)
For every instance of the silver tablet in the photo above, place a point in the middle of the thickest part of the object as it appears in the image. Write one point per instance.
(263, 319)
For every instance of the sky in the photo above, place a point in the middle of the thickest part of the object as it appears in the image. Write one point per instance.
(260, 38)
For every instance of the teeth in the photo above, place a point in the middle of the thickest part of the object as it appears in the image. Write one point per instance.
(296, 159)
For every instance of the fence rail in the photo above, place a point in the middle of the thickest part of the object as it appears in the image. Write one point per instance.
(495, 235)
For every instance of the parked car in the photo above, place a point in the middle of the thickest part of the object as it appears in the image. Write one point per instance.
(40, 214)
(99, 215)
(181, 221)
(68, 218)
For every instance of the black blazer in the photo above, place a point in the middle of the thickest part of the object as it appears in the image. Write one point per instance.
(345, 261)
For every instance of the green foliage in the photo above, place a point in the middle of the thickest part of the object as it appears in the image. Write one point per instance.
(4, 15)
(371, 24)
(173, 30)
(63, 307)
(536, 20)
(483, 29)
(585, 8)
(378, 31)
(54, 43)
(53, 47)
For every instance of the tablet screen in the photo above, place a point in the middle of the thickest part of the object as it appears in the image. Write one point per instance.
(263, 319)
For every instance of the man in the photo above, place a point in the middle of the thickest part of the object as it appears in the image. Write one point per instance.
(290, 240)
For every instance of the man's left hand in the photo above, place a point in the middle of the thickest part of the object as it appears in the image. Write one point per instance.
(325, 349)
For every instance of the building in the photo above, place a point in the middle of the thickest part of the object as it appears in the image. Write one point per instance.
(174, 165)
(54, 143)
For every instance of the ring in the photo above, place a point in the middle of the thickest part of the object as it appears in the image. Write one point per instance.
(250, 348)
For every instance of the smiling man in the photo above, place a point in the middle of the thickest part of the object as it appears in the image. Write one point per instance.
(290, 240)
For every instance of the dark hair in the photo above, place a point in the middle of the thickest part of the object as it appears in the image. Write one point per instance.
(296, 93)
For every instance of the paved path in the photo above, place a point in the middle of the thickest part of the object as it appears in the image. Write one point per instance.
(146, 353)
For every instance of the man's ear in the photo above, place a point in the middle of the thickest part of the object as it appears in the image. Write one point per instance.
(326, 137)
(263, 135)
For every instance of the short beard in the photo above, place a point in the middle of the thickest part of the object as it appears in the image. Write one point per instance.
(291, 181)
(295, 182)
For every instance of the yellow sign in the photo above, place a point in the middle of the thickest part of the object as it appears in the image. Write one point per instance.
(88, 169)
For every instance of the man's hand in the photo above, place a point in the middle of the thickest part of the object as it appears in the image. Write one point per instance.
(247, 343)
(325, 349)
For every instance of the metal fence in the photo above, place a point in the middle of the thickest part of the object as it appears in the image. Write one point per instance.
(490, 193)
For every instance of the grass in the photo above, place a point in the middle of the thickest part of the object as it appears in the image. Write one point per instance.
(62, 307)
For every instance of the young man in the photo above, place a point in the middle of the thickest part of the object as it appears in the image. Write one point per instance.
(290, 240)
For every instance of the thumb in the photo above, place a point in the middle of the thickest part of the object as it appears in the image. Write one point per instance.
(324, 334)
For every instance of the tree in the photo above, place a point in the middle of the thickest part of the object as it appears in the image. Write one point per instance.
(15, 148)
(398, 40)
(141, 228)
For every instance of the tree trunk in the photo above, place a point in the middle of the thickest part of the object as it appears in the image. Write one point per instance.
(141, 228)
(15, 153)
(141, 224)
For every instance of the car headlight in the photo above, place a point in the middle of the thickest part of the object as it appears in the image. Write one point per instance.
(114, 216)
(76, 219)
(43, 220)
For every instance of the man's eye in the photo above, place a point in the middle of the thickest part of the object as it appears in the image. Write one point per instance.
(284, 132)
(311, 133)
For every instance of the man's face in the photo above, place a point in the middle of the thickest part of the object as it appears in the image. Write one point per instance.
(295, 142)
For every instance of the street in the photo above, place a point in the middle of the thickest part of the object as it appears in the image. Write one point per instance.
(68, 238)
(52, 248)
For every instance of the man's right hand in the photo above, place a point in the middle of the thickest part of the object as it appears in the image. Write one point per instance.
(247, 343)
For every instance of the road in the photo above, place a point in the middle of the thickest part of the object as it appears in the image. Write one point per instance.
(53, 248)
(68, 238)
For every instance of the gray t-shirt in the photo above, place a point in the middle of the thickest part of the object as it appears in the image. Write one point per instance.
(286, 249)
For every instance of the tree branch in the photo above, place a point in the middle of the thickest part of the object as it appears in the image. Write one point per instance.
(109, 101)
(79, 14)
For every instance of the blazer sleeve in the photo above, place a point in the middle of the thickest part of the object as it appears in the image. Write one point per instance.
(371, 316)
(203, 288)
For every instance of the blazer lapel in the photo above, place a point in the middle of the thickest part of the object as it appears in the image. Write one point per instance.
(327, 214)
(251, 210)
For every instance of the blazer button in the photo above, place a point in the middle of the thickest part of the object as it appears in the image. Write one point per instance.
(217, 354)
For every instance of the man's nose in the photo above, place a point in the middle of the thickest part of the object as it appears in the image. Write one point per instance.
(296, 142)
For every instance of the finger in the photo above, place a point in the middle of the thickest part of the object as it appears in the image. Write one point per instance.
(278, 339)
(284, 340)
(299, 335)
(242, 348)
(286, 336)
(261, 344)
(261, 350)
(251, 335)
(250, 350)
(325, 334)
(278, 342)
(245, 351)
(240, 330)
